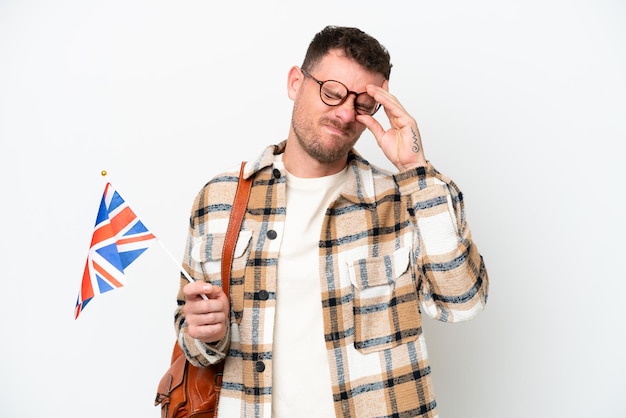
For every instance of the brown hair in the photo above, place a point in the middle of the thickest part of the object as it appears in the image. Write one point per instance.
(355, 43)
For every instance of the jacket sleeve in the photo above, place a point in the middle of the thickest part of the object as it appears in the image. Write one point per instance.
(453, 281)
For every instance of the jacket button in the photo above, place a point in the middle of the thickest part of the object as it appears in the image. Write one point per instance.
(276, 173)
(259, 366)
(271, 234)
(264, 295)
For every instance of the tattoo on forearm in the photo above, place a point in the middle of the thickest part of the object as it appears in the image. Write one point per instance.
(416, 145)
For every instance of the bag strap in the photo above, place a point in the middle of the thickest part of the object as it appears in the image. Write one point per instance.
(237, 212)
(240, 203)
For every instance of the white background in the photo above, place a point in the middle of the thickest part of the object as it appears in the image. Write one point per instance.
(522, 103)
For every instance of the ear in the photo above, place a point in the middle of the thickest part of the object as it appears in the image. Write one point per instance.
(294, 82)
(385, 85)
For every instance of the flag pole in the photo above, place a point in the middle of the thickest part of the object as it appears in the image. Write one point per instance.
(182, 270)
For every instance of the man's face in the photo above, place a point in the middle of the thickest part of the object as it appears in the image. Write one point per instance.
(327, 133)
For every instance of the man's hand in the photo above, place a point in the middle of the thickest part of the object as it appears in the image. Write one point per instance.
(206, 318)
(401, 143)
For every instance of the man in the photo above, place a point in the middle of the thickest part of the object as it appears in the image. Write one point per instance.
(336, 259)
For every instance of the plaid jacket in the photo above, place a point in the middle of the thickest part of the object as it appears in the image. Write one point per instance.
(391, 248)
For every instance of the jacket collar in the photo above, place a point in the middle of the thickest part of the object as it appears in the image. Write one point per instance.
(359, 188)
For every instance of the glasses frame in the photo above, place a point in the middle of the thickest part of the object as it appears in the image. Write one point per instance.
(349, 92)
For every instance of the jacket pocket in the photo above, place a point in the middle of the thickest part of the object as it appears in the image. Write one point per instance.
(207, 251)
(386, 311)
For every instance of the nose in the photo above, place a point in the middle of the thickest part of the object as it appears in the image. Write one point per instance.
(346, 111)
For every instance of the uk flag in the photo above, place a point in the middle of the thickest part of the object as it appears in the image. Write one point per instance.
(118, 239)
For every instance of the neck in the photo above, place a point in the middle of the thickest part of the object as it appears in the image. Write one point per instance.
(301, 164)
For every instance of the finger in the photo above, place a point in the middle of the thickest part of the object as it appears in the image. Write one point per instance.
(210, 318)
(396, 113)
(196, 290)
(212, 291)
(372, 124)
(200, 306)
(383, 97)
(207, 333)
(396, 120)
(193, 290)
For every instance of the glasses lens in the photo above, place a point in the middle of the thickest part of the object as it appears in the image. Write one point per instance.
(365, 104)
(333, 93)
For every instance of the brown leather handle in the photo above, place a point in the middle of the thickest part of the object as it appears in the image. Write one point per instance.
(237, 212)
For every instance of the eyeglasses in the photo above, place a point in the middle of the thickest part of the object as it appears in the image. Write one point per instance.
(335, 93)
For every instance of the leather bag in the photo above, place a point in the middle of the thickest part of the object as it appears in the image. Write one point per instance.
(186, 391)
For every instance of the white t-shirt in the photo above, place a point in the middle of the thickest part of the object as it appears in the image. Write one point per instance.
(301, 378)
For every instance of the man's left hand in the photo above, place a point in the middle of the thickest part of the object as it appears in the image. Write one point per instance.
(401, 143)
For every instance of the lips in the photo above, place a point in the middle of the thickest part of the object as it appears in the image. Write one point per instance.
(337, 128)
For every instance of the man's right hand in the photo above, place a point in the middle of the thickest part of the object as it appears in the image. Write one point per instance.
(206, 318)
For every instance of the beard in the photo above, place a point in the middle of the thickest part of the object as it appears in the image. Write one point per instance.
(324, 150)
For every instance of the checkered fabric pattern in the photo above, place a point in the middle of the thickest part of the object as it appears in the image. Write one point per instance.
(391, 248)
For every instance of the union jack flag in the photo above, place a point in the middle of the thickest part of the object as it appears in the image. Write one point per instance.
(118, 239)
